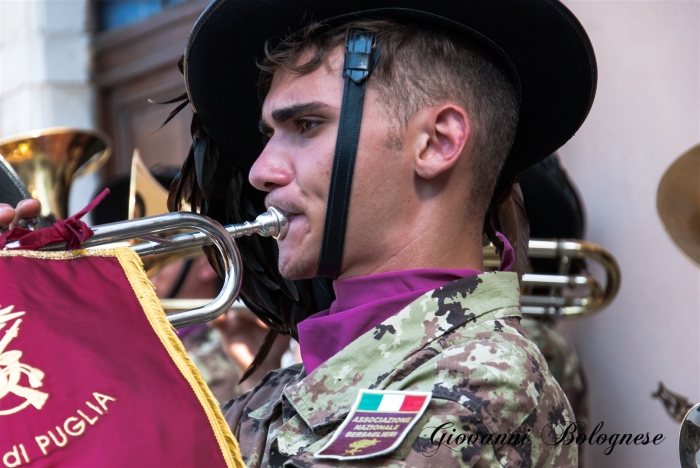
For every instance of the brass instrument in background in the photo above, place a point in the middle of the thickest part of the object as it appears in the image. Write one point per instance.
(147, 197)
(47, 161)
(569, 295)
(678, 205)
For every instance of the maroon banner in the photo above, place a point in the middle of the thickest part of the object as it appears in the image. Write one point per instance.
(91, 373)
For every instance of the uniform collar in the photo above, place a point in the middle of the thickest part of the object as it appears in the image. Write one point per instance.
(474, 300)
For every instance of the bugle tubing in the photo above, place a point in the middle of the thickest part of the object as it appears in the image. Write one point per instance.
(556, 303)
(272, 223)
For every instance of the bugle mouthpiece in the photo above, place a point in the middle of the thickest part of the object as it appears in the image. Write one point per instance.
(272, 223)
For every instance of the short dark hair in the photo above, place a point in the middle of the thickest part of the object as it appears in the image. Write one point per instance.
(420, 67)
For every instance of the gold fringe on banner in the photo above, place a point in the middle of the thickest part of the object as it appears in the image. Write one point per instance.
(145, 292)
(59, 255)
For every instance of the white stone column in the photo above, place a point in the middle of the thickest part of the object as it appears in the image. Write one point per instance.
(45, 72)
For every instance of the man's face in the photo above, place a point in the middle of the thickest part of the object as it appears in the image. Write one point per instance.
(300, 115)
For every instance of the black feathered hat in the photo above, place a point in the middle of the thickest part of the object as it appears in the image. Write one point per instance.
(554, 208)
(540, 42)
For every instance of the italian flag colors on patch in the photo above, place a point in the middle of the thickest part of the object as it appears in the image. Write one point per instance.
(391, 402)
(377, 424)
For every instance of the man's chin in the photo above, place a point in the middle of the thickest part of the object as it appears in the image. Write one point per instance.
(298, 271)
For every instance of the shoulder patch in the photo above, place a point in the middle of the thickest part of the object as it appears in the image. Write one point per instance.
(377, 424)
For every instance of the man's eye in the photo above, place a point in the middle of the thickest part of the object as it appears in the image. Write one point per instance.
(266, 137)
(306, 125)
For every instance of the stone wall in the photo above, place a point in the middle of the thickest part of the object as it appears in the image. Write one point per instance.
(45, 71)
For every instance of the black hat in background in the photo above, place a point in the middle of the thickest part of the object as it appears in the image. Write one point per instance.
(552, 204)
(553, 207)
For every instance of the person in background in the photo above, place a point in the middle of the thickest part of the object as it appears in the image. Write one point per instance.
(555, 211)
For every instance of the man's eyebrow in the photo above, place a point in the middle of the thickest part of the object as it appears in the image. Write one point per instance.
(290, 112)
(286, 113)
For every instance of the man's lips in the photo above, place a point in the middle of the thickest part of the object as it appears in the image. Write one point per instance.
(287, 213)
(287, 208)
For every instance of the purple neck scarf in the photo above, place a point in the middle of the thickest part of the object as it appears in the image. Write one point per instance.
(364, 302)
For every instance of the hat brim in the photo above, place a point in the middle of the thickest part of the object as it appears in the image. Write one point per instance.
(550, 54)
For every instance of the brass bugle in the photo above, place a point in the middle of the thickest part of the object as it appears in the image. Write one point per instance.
(557, 303)
(272, 223)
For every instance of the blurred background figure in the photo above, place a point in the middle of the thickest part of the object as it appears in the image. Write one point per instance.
(222, 349)
(555, 211)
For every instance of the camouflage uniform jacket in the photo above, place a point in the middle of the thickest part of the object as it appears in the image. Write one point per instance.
(462, 342)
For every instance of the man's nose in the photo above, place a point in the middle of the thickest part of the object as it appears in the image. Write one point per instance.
(269, 171)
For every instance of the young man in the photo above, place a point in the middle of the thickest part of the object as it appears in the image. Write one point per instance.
(387, 125)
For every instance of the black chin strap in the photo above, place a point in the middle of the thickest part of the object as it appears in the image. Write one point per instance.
(359, 60)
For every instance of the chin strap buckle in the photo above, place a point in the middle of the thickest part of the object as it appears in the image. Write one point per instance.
(359, 58)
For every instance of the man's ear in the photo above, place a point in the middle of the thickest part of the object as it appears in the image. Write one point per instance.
(444, 132)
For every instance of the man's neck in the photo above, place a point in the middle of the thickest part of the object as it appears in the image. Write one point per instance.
(447, 248)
